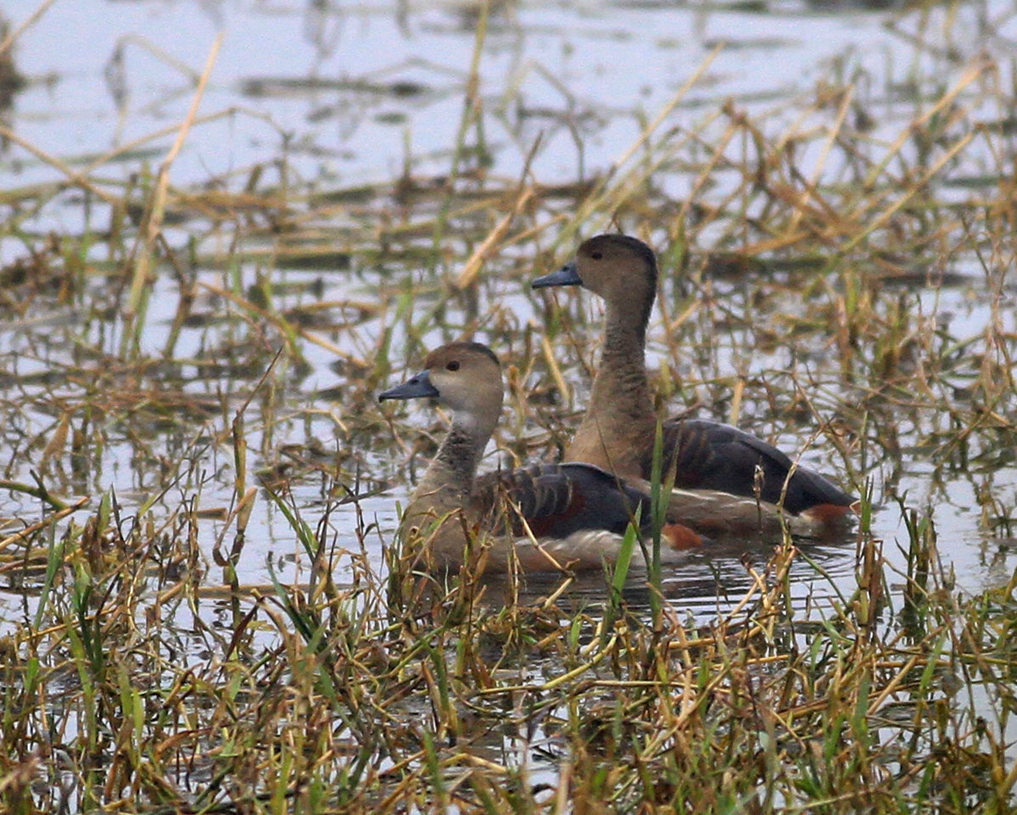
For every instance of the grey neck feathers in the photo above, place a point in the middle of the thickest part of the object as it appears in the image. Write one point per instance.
(455, 464)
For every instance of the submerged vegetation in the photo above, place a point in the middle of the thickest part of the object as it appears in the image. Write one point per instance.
(201, 605)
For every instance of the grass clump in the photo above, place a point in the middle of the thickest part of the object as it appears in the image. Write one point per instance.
(319, 697)
(197, 517)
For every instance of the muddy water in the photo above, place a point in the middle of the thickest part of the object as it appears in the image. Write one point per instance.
(334, 98)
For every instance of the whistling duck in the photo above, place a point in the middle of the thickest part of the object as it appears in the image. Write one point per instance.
(575, 514)
(746, 477)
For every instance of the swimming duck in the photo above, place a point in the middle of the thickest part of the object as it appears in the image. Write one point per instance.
(617, 433)
(543, 517)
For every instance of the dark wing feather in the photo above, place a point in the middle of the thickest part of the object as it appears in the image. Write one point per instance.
(715, 456)
(557, 500)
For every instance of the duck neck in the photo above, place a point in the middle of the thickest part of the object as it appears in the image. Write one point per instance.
(441, 502)
(449, 478)
(620, 417)
(621, 378)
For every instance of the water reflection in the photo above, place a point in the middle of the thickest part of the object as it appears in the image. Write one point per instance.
(709, 585)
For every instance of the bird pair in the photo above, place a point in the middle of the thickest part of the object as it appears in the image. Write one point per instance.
(574, 515)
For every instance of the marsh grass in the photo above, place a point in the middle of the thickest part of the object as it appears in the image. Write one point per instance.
(140, 672)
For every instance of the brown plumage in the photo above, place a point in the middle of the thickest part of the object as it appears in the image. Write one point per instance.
(542, 517)
(619, 426)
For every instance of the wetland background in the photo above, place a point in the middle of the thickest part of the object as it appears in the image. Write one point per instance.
(227, 226)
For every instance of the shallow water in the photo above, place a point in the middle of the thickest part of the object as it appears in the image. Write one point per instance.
(349, 95)
(320, 101)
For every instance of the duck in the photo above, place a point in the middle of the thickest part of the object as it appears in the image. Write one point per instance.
(727, 481)
(543, 517)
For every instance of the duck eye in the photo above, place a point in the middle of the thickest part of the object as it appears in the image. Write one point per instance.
(452, 366)
(597, 255)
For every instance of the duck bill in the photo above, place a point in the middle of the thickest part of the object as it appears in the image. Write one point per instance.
(416, 387)
(567, 275)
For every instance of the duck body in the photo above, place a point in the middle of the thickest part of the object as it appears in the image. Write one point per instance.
(714, 456)
(710, 461)
(537, 518)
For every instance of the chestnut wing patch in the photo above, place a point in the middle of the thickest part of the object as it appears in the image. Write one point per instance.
(558, 500)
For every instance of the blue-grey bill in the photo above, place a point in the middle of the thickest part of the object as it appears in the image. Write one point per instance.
(567, 275)
(414, 388)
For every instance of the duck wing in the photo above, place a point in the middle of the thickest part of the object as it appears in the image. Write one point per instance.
(715, 456)
(557, 500)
